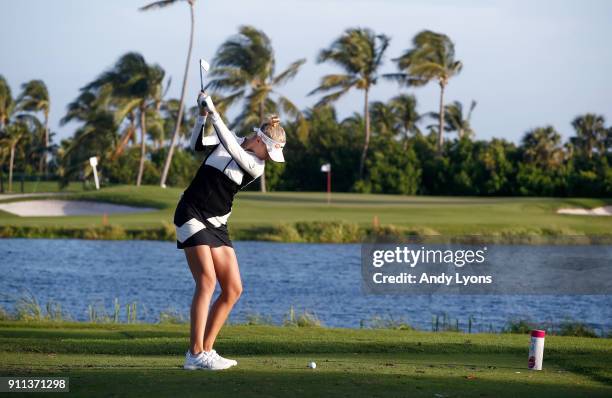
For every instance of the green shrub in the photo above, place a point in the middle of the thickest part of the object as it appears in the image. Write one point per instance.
(381, 322)
(4, 315)
(258, 319)
(519, 326)
(329, 231)
(305, 319)
(281, 233)
(29, 309)
(107, 232)
(172, 316)
(576, 329)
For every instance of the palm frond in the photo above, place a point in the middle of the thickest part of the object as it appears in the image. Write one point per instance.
(158, 4)
(398, 77)
(331, 82)
(289, 73)
(332, 97)
(289, 107)
(229, 100)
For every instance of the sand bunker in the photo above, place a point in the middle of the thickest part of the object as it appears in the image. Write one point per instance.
(598, 211)
(52, 208)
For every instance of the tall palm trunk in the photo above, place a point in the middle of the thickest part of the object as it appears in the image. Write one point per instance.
(11, 162)
(160, 141)
(366, 144)
(45, 166)
(42, 165)
(143, 134)
(262, 179)
(177, 127)
(127, 136)
(441, 118)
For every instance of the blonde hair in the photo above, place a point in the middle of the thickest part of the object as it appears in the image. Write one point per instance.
(272, 128)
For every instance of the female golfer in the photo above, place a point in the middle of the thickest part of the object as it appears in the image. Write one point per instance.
(201, 223)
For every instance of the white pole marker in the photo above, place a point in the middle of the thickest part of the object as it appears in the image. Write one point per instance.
(93, 161)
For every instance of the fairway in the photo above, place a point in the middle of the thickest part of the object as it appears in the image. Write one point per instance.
(145, 360)
(452, 216)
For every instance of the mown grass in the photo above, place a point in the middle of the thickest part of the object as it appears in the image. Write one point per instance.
(144, 360)
(306, 217)
(41, 186)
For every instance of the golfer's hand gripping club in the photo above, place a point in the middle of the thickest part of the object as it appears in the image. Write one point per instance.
(205, 103)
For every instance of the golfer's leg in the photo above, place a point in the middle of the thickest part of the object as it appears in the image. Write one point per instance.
(201, 265)
(228, 274)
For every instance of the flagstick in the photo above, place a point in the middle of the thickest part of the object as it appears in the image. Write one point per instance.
(329, 186)
(326, 168)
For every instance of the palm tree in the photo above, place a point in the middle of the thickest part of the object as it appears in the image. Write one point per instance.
(405, 108)
(455, 120)
(96, 137)
(542, 147)
(459, 122)
(359, 52)
(35, 98)
(7, 111)
(135, 86)
(11, 136)
(244, 68)
(94, 108)
(433, 57)
(591, 134)
(7, 103)
(177, 127)
(383, 118)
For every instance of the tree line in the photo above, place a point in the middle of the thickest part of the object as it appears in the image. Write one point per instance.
(125, 119)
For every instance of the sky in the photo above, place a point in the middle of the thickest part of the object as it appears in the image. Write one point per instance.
(526, 63)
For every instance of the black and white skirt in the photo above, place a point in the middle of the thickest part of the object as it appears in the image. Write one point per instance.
(194, 229)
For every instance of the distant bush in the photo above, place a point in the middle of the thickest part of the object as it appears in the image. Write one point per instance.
(172, 316)
(576, 329)
(258, 319)
(279, 233)
(567, 328)
(317, 232)
(305, 319)
(388, 322)
(107, 232)
(329, 231)
(519, 326)
(29, 309)
(4, 315)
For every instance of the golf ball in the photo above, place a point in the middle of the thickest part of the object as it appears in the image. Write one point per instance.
(312, 365)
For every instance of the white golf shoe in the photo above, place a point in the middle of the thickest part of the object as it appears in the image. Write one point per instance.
(193, 362)
(219, 358)
(207, 361)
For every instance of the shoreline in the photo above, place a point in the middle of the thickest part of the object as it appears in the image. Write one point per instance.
(317, 232)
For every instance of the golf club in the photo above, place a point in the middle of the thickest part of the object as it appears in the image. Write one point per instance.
(203, 66)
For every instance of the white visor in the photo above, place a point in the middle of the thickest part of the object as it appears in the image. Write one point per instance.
(275, 148)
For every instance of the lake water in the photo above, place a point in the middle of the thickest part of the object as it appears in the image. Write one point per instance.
(322, 278)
